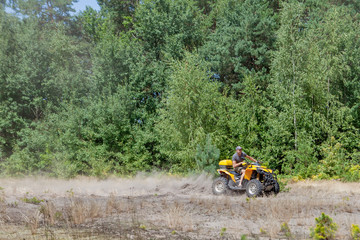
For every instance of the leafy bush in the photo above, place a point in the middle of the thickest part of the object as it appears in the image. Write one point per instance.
(352, 173)
(325, 228)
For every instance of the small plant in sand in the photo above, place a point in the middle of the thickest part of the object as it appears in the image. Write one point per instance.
(222, 232)
(244, 237)
(13, 204)
(263, 231)
(2, 195)
(286, 230)
(33, 200)
(325, 228)
(355, 232)
(70, 192)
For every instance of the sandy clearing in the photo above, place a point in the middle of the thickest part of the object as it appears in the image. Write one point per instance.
(167, 207)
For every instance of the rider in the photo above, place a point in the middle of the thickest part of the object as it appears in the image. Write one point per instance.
(238, 159)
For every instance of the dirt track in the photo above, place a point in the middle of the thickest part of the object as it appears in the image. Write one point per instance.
(164, 207)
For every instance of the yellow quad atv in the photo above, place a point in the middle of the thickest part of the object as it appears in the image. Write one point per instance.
(257, 180)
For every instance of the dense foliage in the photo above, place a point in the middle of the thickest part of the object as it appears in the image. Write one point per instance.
(177, 85)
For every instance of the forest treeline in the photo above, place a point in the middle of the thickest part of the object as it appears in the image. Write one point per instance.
(177, 85)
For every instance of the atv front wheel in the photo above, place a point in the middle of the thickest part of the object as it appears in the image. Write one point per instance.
(274, 191)
(254, 188)
(220, 186)
(276, 188)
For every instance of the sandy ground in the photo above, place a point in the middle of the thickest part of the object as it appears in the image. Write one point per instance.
(166, 207)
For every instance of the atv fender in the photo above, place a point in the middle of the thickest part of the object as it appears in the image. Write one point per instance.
(226, 172)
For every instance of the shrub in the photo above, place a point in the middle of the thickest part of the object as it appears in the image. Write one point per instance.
(325, 228)
(352, 173)
(207, 156)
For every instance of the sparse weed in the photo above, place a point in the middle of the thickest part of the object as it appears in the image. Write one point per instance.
(263, 231)
(286, 230)
(58, 215)
(13, 204)
(2, 195)
(244, 237)
(355, 232)
(222, 232)
(2, 209)
(70, 192)
(33, 200)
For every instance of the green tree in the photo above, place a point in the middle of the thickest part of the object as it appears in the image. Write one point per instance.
(120, 12)
(94, 138)
(242, 40)
(41, 67)
(194, 108)
(309, 75)
(248, 118)
(44, 10)
(167, 27)
(287, 104)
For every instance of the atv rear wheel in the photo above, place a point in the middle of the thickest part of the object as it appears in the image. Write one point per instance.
(220, 186)
(254, 188)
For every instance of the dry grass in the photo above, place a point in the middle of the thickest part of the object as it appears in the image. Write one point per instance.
(2, 203)
(112, 205)
(178, 218)
(94, 210)
(78, 211)
(49, 213)
(33, 222)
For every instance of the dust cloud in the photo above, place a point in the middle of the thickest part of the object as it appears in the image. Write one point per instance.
(332, 186)
(135, 186)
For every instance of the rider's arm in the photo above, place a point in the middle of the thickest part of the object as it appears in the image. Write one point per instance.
(235, 164)
(252, 159)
